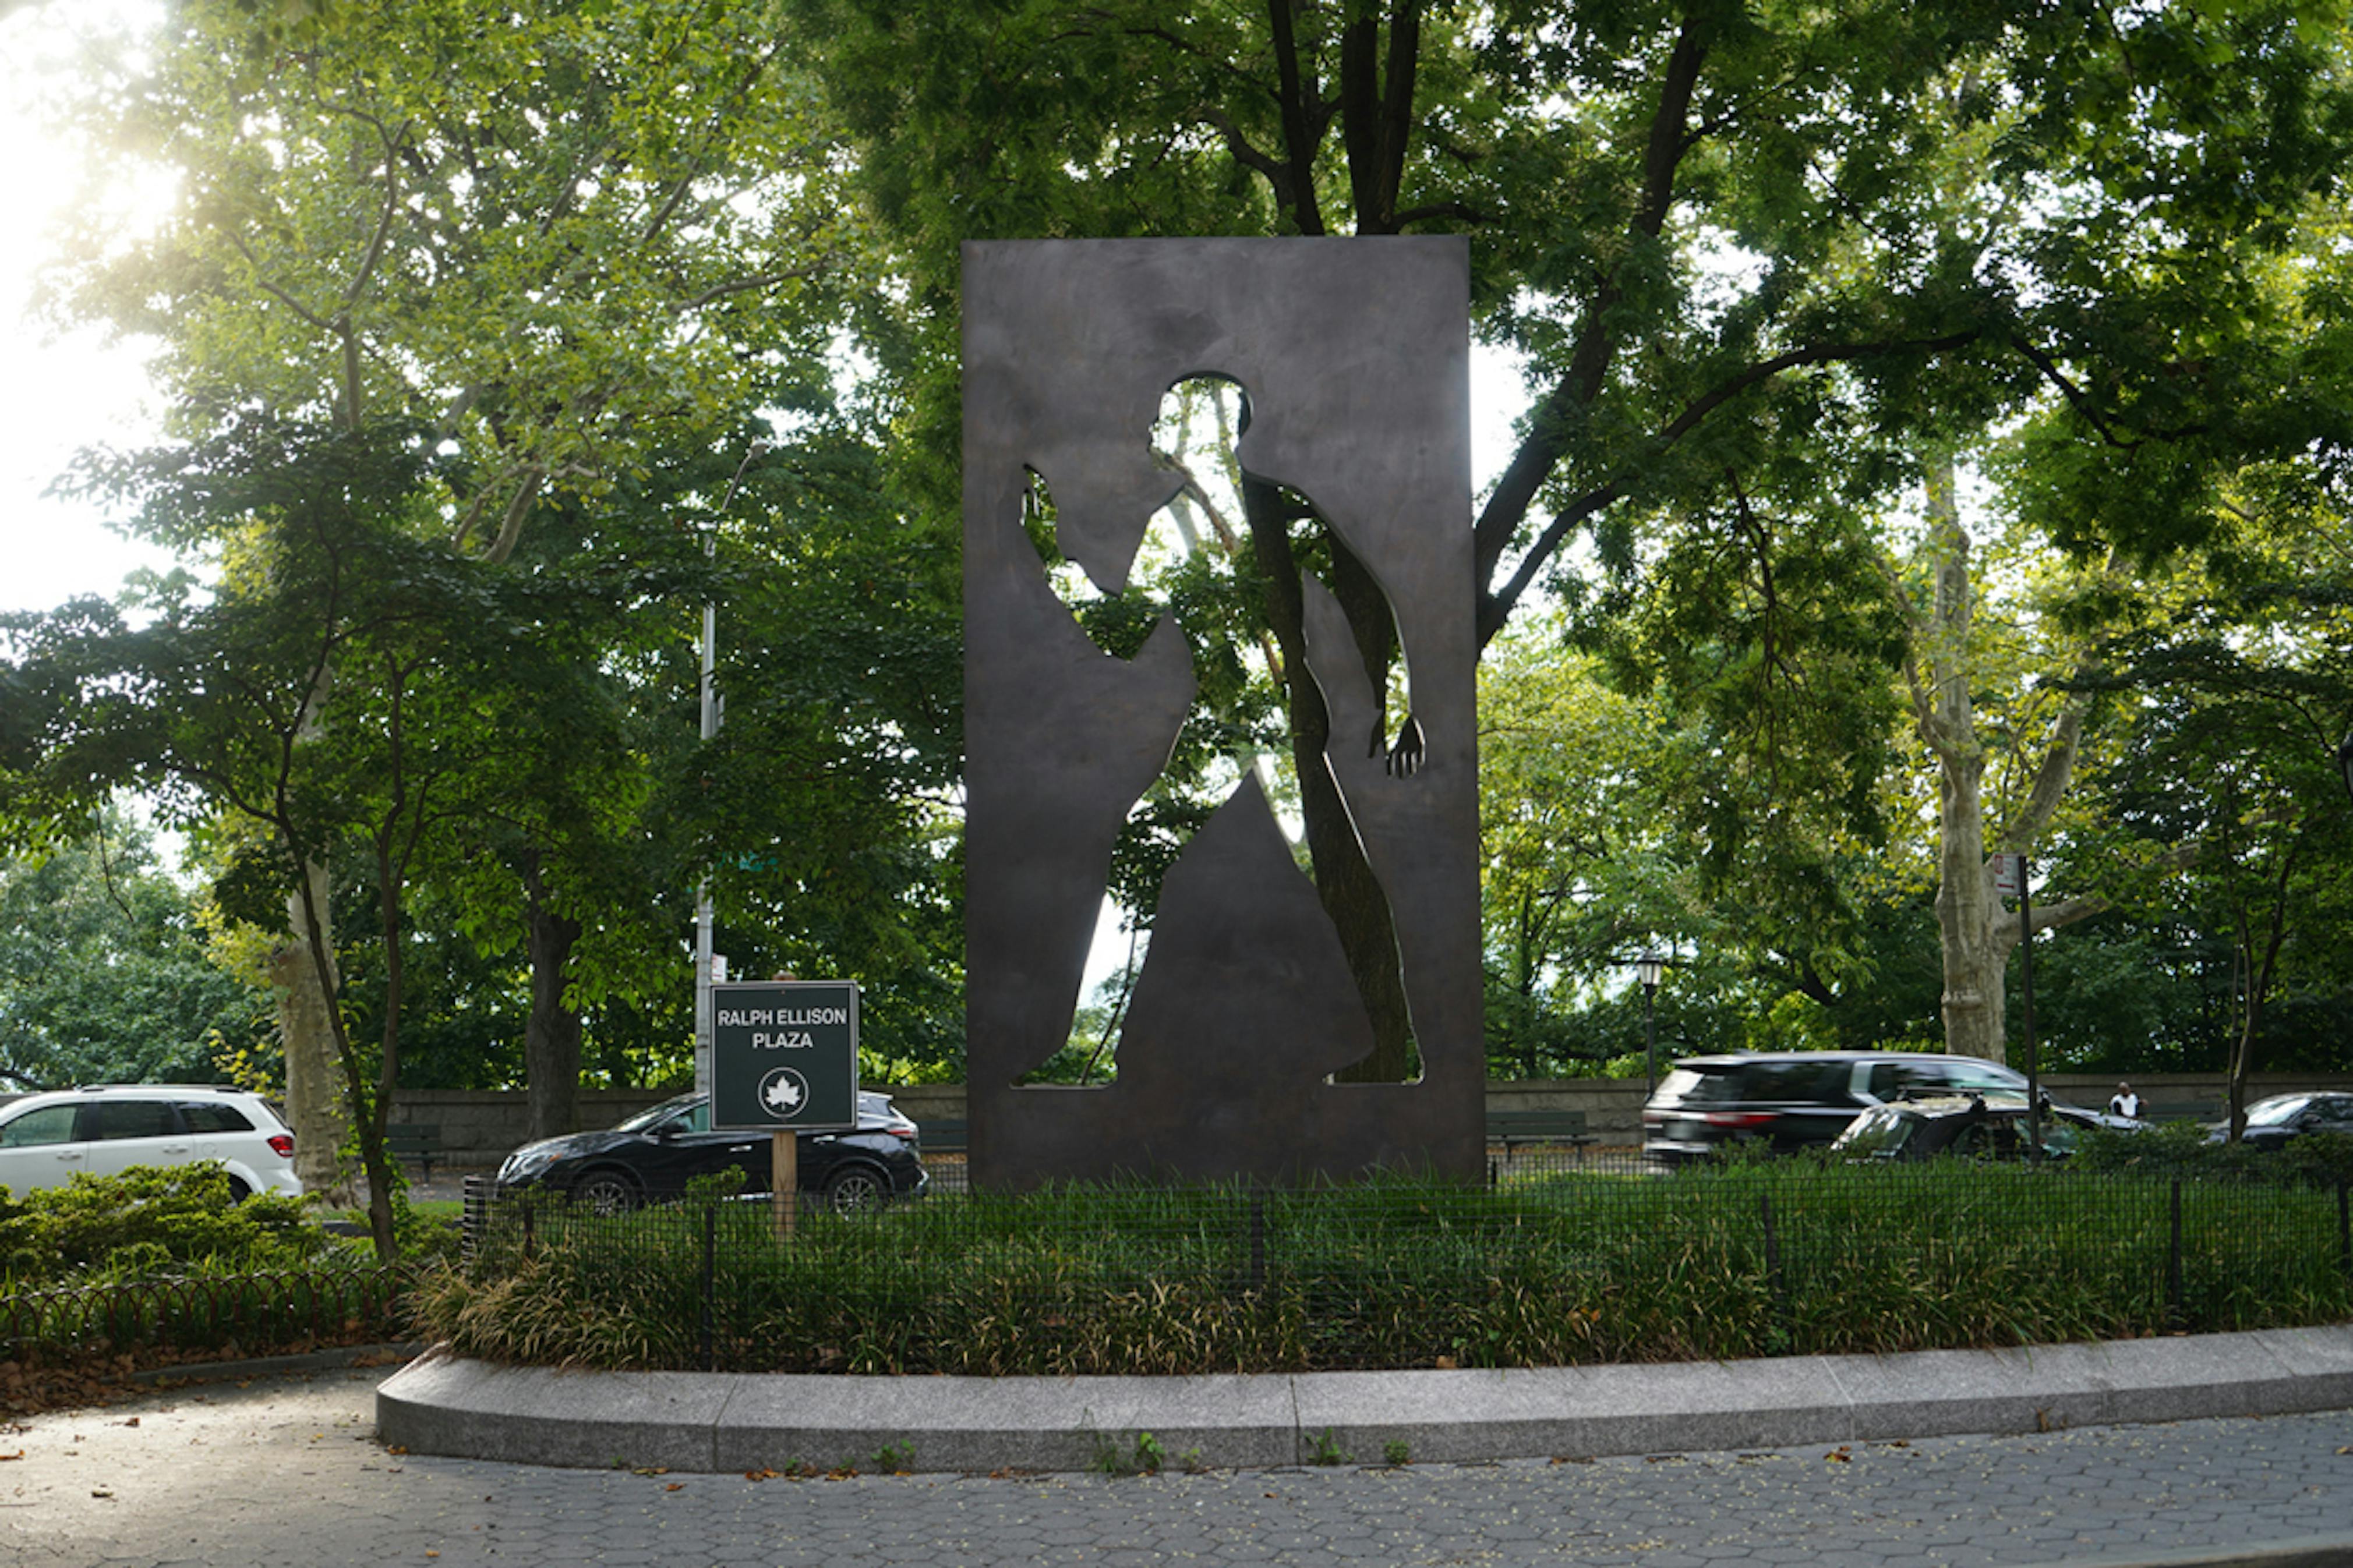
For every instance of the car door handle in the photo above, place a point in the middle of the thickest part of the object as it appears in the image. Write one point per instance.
(739, 1148)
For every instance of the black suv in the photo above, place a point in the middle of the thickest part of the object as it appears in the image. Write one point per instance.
(1789, 1100)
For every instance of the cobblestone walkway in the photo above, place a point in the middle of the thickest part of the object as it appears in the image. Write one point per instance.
(285, 1470)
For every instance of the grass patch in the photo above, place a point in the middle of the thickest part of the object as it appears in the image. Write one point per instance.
(1743, 1261)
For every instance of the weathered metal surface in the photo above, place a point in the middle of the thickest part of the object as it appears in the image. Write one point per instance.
(1355, 355)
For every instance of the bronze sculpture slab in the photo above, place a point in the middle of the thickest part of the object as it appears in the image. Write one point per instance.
(1355, 356)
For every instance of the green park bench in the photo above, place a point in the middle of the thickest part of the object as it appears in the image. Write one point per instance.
(1546, 1128)
(418, 1140)
(944, 1136)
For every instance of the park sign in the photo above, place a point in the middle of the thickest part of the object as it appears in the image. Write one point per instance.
(784, 1056)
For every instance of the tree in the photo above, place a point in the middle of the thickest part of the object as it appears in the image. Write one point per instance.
(1711, 229)
(214, 706)
(559, 238)
(132, 999)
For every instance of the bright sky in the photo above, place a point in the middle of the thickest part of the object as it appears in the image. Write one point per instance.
(58, 395)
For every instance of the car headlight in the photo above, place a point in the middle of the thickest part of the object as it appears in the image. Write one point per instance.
(525, 1163)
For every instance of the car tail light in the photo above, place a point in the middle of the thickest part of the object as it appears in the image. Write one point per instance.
(1742, 1119)
(283, 1145)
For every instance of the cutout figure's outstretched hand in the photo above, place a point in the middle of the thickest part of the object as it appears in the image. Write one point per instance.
(1405, 756)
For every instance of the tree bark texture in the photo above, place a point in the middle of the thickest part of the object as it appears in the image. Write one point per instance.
(314, 1098)
(551, 1036)
(1974, 929)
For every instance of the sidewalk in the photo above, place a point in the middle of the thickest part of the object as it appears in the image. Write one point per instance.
(290, 1473)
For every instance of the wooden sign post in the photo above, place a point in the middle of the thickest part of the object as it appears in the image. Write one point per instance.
(785, 1182)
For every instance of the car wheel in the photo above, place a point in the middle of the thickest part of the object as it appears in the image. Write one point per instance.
(237, 1191)
(858, 1189)
(606, 1191)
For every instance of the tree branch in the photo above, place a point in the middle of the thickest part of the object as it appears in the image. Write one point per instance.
(1299, 146)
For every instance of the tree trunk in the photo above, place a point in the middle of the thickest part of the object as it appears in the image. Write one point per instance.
(1975, 938)
(551, 1036)
(314, 1097)
(1975, 932)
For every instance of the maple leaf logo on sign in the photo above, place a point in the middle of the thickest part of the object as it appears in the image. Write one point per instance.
(782, 1091)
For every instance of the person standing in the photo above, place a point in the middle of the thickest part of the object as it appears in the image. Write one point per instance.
(2125, 1102)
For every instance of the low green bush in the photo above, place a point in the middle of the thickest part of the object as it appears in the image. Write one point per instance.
(149, 1221)
(1745, 1260)
(2183, 1149)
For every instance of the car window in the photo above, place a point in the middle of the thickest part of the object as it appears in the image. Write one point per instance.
(212, 1116)
(1881, 1132)
(1691, 1083)
(132, 1119)
(1982, 1076)
(2335, 1110)
(50, 1124)
(646, 1121)
(1794, 1080)
(1890, 1081)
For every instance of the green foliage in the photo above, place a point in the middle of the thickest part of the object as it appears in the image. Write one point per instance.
(1744, 1259)
(152, 1221)
(103, 975)
(2187, 1149)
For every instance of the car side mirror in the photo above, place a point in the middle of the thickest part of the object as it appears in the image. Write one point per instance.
(666, 1131)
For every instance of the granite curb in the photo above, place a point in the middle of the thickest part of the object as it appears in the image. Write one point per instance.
(718, 1422)
(2304, 1552)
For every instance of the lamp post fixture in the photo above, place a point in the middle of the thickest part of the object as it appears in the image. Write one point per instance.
(1647, 968)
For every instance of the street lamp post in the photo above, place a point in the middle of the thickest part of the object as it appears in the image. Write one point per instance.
(1647, 968)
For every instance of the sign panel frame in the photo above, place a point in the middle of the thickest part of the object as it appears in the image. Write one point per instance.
(784, 1056)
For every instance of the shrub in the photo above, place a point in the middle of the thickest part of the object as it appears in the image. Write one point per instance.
(149, 1221)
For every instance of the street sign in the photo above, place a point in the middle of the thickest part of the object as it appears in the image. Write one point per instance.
(2009, 875)
(784, 1056)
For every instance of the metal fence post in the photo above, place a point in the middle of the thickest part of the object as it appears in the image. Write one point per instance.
(709, 1276)
(2177, 1312)
(2344, 1225)
(1257, 1238)
(1773, 1279)
(473, 1219)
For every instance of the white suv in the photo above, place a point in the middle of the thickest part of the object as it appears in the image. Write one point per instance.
(104, 1128)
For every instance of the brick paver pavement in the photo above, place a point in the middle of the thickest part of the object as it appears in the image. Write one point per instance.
(285, 1470)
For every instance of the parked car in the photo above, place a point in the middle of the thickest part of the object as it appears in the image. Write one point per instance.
(1968, 1127)
(1790, 1100)
(106, 1129)
(656, 1152)
(2277, 1119)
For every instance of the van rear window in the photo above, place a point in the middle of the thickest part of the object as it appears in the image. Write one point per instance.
(1794, 1080)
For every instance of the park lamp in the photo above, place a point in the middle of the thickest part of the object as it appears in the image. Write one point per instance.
(1648, 967)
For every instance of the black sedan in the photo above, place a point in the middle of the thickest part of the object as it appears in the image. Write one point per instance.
(2275, 1121)
(1968, 1127)
(656, 1152)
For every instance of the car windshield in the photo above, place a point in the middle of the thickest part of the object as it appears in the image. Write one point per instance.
(1881, 1132)
(2274, 1112)
(647, 1121)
